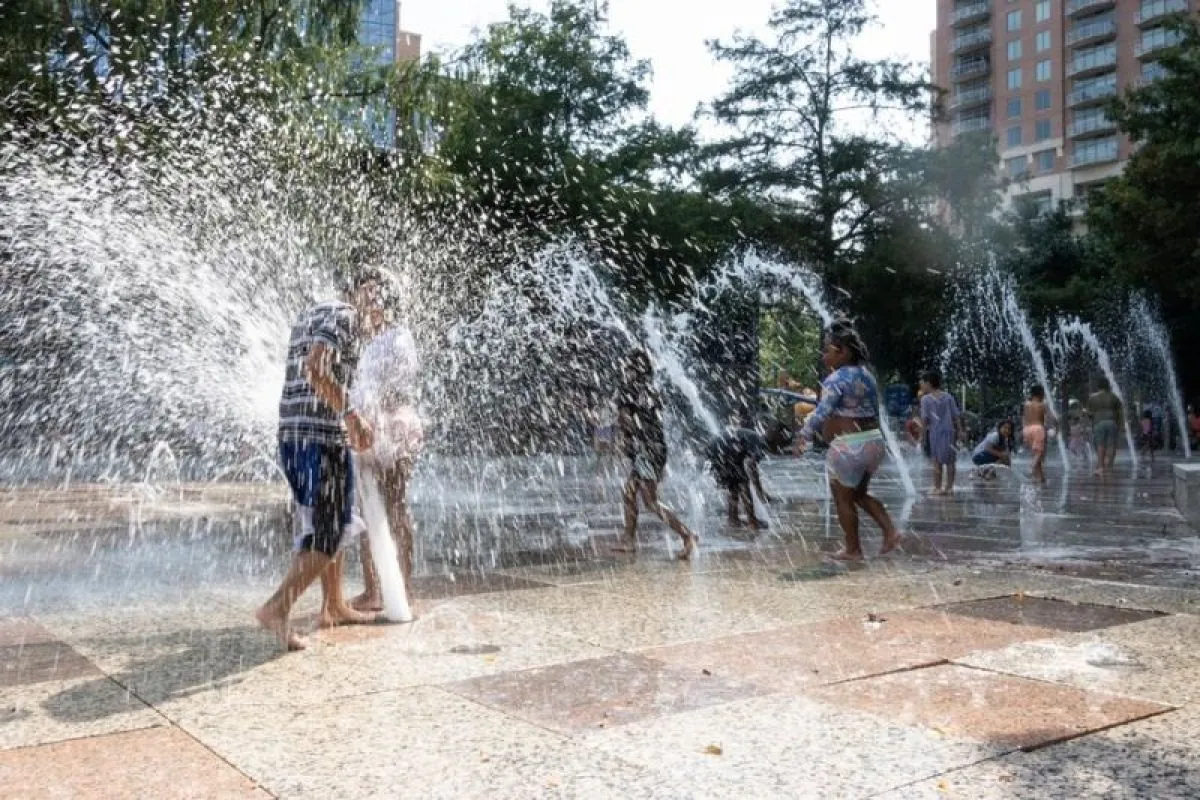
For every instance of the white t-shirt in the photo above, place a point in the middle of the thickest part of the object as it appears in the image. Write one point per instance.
(385, 390)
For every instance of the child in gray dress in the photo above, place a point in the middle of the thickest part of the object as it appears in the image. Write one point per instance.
(940, 418)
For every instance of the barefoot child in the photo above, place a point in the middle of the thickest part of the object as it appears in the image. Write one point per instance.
(640, 425)
(733, 460)
(848, 418)
(318, 427)
(1034, 430)
(941, 420)
(386, 391)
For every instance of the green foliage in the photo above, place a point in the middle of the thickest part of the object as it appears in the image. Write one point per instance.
(789, 342)
(1145, 222)
(790, 146)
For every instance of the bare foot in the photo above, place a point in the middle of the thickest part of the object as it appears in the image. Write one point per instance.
(288, 639)
(844, 555)
(689, 547)
(890, 543)
(626, 544)
(331, 618)
(367, 602)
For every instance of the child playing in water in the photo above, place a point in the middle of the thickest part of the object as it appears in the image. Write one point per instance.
(733, 460)
(640, 426)
(941, 420)
(996, 448)
(848, 418)
(1034, 430)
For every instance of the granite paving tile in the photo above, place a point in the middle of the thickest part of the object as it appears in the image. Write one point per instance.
(785, 747)
(50, 711)
(1009, 712)
(152, 763)
(421, 742)
(1060, 615)
(1156, 660)
(842, 649)
(600, 692)
(1151, 758)
(225, 667)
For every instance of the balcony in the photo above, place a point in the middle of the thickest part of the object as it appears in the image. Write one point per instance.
(967, 70)
(970, 98)
(1092, 32)
(1155, 41)
(972, 41)
(1077, 8)
(1090, 125)
(1091, 94)
(1153, 12)
(972, 125)
(1089, 154)
(1093, 63)
(967, 13)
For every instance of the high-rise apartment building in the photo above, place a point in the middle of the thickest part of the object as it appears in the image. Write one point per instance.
(1037, 73)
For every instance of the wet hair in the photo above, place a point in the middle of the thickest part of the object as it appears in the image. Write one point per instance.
(933, 378)
(843, 334)
(1000, 425)
(1103, 384)
(1037, 392)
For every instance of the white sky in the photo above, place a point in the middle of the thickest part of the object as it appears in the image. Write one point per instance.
(672, 35)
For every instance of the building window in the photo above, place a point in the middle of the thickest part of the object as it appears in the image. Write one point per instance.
(1041, 130)
(1014, 78)
(1043, 70)
(1044, 160)
(1042, 10)
(1041, 100)
(1014, 20)
(1013, 136)
(1043, 41)
(1016, 167)
(1014, 107)
(1014, 50)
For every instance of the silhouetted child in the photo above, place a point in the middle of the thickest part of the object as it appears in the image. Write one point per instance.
(733, 458)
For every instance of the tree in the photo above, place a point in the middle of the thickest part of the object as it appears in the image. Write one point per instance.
(1146, 221)
(791, 145)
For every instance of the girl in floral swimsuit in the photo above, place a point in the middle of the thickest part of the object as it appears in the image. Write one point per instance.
(848, 418)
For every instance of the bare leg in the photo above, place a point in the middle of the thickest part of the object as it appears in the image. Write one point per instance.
(843, 498)
(371, 599)
(628, 543)
(732, 516)
(396, 492)
(748, 501)
(334, 608)
(937, 478)
(879, 513)
(649, 491)
(274, 615)
(951, 474)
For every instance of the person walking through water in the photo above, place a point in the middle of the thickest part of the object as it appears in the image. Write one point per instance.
(318, 428)
(848, 418)
(644, 442)
(385, 390)
(1034, 429)
(941, 420)
(1105, 411)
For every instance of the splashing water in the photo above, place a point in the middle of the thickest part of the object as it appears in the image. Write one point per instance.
(1074, 327)
(1155, 333)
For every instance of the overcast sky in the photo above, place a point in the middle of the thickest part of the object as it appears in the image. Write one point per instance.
(672, 33)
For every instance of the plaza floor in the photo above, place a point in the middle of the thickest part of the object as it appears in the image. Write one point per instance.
(1031, 643)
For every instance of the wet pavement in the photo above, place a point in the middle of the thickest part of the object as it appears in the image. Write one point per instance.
(1030, 642)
